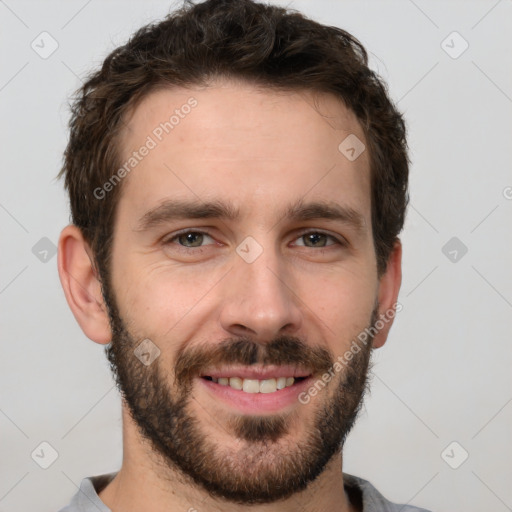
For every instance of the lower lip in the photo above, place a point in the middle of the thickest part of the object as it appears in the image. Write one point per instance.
(257, 403)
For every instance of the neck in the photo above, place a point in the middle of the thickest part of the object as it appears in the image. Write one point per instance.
(139, 486)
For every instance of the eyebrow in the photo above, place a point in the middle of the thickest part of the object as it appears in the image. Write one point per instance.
(174, 209)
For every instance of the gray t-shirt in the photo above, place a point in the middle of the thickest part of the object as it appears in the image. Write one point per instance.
(359, 490)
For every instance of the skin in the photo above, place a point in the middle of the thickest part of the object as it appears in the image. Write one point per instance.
(265, 150)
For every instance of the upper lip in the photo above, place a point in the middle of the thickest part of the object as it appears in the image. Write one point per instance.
(257, 373)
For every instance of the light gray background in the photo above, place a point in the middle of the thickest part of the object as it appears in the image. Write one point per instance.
(444, 374)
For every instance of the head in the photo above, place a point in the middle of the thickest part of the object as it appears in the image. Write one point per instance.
(217, 215)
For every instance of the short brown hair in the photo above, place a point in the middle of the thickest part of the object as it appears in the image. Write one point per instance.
(240, 39)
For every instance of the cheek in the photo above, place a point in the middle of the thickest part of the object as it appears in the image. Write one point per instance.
(157, 299)
(342, 303)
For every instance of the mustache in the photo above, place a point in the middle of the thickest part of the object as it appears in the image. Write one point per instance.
(283, 350)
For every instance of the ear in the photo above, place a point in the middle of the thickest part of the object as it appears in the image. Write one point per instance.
(389, 286)
(81, 285)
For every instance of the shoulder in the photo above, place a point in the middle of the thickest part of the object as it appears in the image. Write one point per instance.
(86, 499)
(372, 499)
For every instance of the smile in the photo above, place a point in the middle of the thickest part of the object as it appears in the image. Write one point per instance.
(254, 385)
(256, 390)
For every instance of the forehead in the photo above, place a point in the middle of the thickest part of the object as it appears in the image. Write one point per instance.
(256, 147)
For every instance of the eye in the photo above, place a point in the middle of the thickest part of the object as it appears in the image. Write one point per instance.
(318, 239)
(189, 239)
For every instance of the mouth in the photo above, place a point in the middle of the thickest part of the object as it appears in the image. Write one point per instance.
(256, 391)
(271, 385)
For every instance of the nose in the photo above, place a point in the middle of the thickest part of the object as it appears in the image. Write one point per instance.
(260, 300)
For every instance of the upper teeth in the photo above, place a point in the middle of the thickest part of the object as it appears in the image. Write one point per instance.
(255, 386)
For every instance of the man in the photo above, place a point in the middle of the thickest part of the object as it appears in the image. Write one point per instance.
(238, 180)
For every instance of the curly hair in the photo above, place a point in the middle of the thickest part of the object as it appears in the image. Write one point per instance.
(266, 45)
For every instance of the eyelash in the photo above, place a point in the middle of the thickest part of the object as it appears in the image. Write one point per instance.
(337, 241)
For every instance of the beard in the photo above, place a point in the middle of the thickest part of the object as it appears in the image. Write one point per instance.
(266, 466)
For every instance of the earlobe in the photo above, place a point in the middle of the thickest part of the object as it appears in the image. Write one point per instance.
(389, 287)
(82, 286)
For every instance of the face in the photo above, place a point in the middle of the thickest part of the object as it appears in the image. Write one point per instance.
(243, 256)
